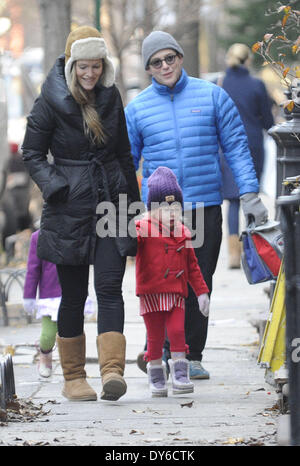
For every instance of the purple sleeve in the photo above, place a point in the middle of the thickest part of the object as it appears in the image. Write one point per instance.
(34, 267)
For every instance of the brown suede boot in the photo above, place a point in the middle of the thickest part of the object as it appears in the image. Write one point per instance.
(72, 359)
(111, 351)
(234, 250)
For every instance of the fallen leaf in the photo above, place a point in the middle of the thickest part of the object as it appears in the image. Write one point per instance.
(9, 349)
(3, 415)
(275, 407)
(152, 440)
(233, 441)
(150, 410)
(256, 443)
(187, 405)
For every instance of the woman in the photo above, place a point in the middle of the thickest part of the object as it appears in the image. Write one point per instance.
(254, 105)
(79, 117)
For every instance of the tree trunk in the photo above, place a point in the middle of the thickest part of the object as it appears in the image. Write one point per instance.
(190, 44)
(56, 23)
(187, 31)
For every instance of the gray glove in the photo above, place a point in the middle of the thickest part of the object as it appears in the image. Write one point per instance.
(254, 209)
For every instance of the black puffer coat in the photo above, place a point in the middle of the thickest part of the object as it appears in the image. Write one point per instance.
(82, 174)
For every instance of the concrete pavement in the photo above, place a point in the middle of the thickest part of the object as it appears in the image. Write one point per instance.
(234, 407)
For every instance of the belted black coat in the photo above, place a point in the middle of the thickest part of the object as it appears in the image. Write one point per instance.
(82, 174)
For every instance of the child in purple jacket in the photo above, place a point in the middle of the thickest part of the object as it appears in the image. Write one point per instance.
(42, 276)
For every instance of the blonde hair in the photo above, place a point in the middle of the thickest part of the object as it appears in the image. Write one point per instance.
(237, 55)
(92, 125)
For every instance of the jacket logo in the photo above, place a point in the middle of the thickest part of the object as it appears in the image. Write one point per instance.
(195, 110)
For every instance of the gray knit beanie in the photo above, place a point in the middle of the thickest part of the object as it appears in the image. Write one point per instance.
(158, 40)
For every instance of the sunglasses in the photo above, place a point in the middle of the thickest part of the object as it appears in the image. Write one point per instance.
(157, 62)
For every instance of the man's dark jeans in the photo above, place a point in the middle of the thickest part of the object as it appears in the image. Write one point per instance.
(196, 324)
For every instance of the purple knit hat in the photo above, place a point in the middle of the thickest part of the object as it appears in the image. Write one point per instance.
(163, 187)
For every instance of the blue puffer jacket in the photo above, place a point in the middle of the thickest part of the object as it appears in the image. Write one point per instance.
(181, 128)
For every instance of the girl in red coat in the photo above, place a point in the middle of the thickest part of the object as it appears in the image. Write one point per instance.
(165, 264)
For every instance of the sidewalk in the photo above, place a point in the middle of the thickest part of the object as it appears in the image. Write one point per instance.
(234, 407)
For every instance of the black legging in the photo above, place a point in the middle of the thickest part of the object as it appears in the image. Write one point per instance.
(109, 268)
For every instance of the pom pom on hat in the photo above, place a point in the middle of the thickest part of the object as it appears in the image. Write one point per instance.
(86, 43)
(163, 187)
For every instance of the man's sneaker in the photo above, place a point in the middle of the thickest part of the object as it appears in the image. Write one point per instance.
(197, 371)
(141, 363)
(179, 370)
(157, 377)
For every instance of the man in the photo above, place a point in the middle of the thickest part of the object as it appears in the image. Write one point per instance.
(179, 122)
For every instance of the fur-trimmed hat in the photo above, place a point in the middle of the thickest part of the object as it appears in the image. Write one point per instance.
(86, 43)
(163, 187)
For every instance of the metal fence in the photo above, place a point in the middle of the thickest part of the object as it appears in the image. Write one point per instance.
(7, 379)
(11, 286)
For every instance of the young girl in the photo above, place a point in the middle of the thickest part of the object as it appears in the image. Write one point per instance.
(165, 264)
(41, 275)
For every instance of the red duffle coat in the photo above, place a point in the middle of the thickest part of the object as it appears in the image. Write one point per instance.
(164, 262)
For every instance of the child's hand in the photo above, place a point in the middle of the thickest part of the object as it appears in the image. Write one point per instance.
(29, 305)
(203, 301)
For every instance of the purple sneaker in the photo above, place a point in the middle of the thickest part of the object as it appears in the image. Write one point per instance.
(179, 369)
(157, 378)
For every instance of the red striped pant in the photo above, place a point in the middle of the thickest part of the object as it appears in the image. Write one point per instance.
(160, 322)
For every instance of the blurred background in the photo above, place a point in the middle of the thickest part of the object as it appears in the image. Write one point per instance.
(33, 34)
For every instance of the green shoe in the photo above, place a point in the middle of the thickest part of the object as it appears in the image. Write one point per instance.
(197, 371)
